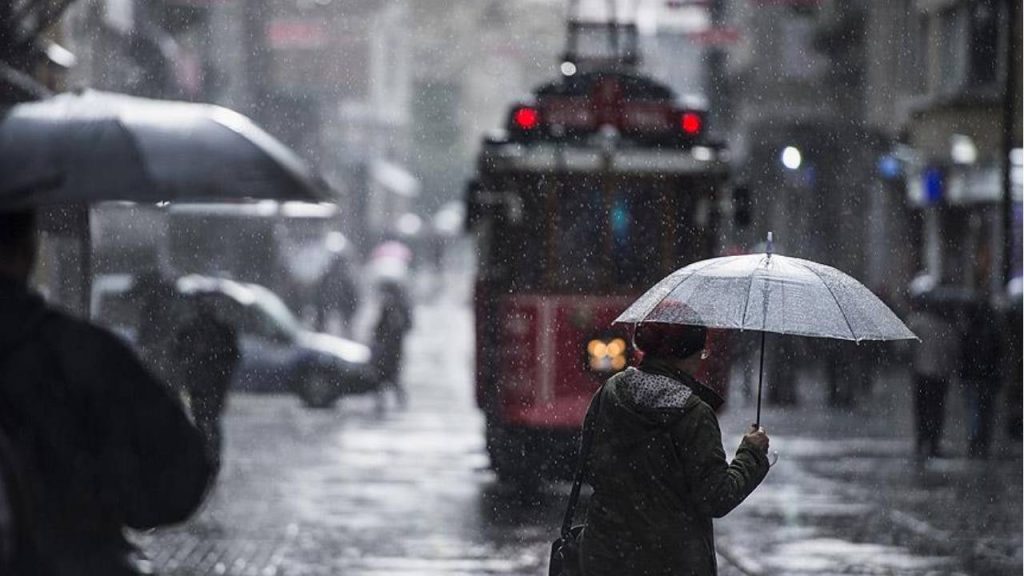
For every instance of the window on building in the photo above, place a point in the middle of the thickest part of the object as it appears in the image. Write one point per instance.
(798, 57)
(952, 39)
(967, 38)
(912, 50)
(984, 51)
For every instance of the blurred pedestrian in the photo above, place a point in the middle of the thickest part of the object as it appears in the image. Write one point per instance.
(981, 356)
(849, 369)
(1013, 321)
(207, 354)
(393, 323)
(781, 372)
(832, 353)
(157, 318)
(103, 443)
(337, 296)
(657, 464)
(935, 364)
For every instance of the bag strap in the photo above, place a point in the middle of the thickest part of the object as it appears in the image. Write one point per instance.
(582, 462)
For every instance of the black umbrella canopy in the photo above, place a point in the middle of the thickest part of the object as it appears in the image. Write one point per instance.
(92, 146)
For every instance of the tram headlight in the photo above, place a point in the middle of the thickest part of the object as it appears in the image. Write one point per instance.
(607, 355)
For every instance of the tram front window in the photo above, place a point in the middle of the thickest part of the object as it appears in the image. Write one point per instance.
(606, 239)
(578, 243)
(592, 236)
(636, 227)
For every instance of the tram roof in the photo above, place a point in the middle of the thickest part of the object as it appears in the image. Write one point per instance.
(550, 158)
(632, 85)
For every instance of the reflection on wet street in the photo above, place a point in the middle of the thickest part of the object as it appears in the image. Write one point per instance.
(847, 497)
(346, 491)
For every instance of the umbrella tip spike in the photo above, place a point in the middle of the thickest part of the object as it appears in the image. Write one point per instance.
(771, 241)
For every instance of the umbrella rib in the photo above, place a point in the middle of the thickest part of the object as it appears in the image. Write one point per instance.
(746, 302)
(136, 147)
(643, 317)
(836, 300)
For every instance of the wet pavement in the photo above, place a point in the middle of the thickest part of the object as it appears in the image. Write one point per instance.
(348, 491)
(847, 496)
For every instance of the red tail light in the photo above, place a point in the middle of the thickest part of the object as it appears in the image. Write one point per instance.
(526, 118)
(691, 123)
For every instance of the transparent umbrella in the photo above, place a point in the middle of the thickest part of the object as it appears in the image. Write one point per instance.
(768, 293)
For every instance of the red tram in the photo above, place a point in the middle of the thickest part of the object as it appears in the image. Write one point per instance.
(600, 185)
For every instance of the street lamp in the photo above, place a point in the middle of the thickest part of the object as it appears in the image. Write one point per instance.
(791, 157)
(962, 150)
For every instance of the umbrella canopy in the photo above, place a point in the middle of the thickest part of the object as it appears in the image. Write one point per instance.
(769, 293)
(94, 146)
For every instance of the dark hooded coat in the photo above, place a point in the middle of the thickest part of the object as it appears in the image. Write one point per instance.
(104, 444)
(660, 476)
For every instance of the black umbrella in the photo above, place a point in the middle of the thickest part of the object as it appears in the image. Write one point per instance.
(91, 146)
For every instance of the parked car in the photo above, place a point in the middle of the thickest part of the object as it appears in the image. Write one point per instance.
(278, 353)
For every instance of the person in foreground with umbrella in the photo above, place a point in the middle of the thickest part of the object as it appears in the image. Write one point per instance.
(103, 444)
(657, 464)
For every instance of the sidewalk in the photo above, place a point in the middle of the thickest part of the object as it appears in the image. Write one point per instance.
(847, 497)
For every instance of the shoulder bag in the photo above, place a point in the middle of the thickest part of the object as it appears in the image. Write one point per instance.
(565, 550)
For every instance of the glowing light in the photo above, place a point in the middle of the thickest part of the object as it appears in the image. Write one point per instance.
(616, 347)
(409, 224)
(690, 123)
(962, 149)
(568, 69)
(526, 118)
(791, 157)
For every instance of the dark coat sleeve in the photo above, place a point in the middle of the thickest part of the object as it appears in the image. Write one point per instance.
(151, 458)
(715, 486)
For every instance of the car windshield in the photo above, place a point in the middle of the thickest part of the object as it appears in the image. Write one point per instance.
(275, 311)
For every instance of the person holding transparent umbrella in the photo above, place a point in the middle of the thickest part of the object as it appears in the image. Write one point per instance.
(657, 463)
(758, 292)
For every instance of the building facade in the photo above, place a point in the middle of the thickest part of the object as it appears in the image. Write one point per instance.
(941, 90)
